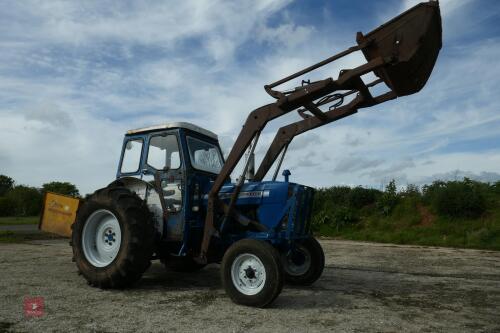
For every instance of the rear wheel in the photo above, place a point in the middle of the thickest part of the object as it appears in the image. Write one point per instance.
(305, 263)
(113, 238)
(252, 273)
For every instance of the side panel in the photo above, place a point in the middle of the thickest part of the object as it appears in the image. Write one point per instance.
(173, 182)
(173, 230)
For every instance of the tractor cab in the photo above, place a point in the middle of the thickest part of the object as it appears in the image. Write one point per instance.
(172, 161)
(172, 149)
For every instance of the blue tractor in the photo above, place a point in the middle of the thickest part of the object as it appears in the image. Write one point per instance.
(173, 198)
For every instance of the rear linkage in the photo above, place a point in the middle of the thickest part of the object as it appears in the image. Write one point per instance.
(401, 53)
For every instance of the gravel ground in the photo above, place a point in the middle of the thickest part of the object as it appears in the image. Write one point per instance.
(365, 288)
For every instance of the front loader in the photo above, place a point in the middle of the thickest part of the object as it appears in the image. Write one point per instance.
(173, 199)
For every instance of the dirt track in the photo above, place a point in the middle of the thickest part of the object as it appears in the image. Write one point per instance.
(365, 287)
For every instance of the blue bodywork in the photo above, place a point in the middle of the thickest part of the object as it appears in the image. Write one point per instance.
(283, 207)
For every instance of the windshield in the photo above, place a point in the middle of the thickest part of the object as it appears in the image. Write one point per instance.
(204, 156)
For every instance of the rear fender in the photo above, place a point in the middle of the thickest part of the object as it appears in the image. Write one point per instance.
(146, 192)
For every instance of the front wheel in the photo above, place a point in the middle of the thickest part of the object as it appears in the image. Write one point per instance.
(252, 273)
(304, 264)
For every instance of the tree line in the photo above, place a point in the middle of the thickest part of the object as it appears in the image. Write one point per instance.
(340, 206)
(22, 200)
(335, 206)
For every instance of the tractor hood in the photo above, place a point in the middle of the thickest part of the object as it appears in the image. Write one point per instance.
(271, 201)
(256, 193)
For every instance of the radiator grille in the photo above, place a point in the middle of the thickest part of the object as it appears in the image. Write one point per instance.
(301, 214)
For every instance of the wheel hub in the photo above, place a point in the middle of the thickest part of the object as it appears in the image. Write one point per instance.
(298, 261)
(248, 274)
(101, 238)
(109, 236)
(298, 258)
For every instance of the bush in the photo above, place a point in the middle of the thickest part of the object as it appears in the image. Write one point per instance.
(431, 191)
(27, 201)
(389, 199)
(411, 191)
(344, 216)
(360, 197)
(338, 206)
(6, 184)
(61, 188)
(327, 199)
(496, 187)
(457, 198)
(340, 217)
(319, 219)
(336, 195)
(6, 207)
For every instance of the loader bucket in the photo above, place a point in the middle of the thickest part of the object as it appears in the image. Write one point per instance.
(413, 40)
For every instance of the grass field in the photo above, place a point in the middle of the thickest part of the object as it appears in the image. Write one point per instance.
(8, 236)
(460, 233)
(12, 220)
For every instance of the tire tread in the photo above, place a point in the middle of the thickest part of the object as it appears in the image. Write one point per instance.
(128, 268)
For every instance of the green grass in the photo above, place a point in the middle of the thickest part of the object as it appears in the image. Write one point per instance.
(476, 238)
(11, 220)
(7, 236)
(463, 214)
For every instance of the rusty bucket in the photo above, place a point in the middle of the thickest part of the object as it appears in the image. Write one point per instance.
(413, 41)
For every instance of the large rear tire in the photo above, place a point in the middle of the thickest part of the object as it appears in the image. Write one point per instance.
(113, 238)
(252, 273)
(304, 265)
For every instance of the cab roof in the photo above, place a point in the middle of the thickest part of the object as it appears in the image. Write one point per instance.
(172, 125)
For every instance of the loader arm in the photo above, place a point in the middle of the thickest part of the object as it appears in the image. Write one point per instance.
(401, 53)
(286, 134)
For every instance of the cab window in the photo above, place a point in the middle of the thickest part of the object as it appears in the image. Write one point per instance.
(163, 152)
(204, 156)
(132, 156)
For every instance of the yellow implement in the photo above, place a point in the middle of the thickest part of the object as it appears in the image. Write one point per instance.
(58, 214)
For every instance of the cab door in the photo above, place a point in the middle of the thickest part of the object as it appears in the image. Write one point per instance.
(165, 157)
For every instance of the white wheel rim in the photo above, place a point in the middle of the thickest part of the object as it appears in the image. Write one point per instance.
(101, 238)
(297, 269)
(248, 274)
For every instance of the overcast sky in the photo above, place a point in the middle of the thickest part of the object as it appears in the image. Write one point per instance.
(74, 76)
